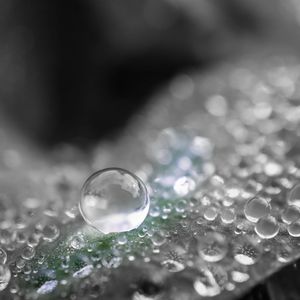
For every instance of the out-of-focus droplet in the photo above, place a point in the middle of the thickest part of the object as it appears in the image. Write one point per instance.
(77, 242)
(245, 253)
(184, 185)
(228, 215)
(267, 227)
(3, 256)
(256, 208)
(5, 276)
(239, 276)
(294, 229)
(114, 200)
(212, 247)
(294, 196)
(50, 233)
(210, 213)
(47, 287)
(290, 214)
(173, 266)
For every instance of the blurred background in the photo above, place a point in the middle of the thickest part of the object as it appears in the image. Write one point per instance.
(75, 72)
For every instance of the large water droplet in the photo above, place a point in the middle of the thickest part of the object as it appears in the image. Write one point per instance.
(256, 208)
(267, 227)
(294, 196)
(245, 253)
(114, 200)
(212, 247)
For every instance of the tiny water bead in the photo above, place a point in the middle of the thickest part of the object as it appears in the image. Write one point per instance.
(256, 208)
(114, 200)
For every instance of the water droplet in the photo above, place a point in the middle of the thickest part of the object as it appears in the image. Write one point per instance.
(181, 206)
(294, 196)
(267, 227)
(50, 233)
(158, 238)
(239, 276)
(5, 276)
(206, 284)
(256, 208)
(294, 229)
(228, 215)
(212, 247)
(273, 168)
(28, 253)
(154, 211)
(122, 239)
(47, 287)
(77, 242)
(3, 256)
(114, 200)
(184, 185)
(210, 213)
(173, 266)
(291, 214)
(245, 253)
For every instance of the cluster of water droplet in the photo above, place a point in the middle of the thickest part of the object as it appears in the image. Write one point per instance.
(224, 190)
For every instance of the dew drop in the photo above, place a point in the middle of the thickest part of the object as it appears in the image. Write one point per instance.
(291, 214)
(239, 276)
(294, 196)
(212, 247)
(77, 242)
(256, 208)
(84, 272)
(3, 256)
(173, 266)
(210, 213)
(184, 185)
(228, 216)
(114, 200)
(122, 239)
(294, 229)
(158, 238)
(28, 253)
(50, 233)
(267, 227)
(5, 276)
(246, 253)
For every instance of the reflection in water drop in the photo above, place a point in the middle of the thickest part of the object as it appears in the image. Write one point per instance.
(256, 208)
(267, 227)
(239, 276)
(212, 247)
(210, 213)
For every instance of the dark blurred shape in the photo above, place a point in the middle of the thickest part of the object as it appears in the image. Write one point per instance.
(76, 71)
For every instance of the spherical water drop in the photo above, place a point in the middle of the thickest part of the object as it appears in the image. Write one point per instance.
(122, 239)
(28, 253)
(114, 200)
(210, 213)
(77, 242)
(294, 196)
(267, 227)
(228, 216)
(5, 276)
(158, 238)
(181, 206)
(291, 214)
(50, 233)
(256, 208)
(212, 247)
(294, 229)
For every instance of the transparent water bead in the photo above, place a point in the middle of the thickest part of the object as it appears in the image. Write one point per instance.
(267, 227)
(256, 208)
(114, 200)
(294, 196)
